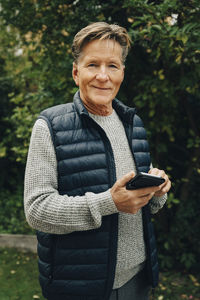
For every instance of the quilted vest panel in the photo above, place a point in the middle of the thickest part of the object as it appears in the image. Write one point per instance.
(81, 265)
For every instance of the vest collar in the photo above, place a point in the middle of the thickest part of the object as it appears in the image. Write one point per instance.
(125, 113)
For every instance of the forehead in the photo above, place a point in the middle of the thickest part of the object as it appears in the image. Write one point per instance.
(102, 49)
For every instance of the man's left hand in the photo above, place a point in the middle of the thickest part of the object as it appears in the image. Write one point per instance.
(165, 187)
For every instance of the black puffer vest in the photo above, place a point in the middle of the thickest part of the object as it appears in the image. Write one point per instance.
(81, 265)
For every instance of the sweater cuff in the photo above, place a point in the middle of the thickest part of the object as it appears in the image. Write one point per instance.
(102, 203)
(157, 203)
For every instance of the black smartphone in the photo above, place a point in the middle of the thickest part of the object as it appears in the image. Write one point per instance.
(142, 180)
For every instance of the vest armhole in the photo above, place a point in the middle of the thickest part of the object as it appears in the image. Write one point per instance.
(49, 126)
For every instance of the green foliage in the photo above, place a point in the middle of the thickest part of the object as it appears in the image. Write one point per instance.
(177, 286)
(161, 80)
(171, 200)
(12, 218)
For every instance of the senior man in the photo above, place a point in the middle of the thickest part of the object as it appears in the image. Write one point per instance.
(95, 237)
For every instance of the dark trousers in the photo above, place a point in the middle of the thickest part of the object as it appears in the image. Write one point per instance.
(135, 289)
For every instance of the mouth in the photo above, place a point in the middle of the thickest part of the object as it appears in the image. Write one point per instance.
(101, 88)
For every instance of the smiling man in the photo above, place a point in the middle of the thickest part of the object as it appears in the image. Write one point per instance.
(99, 73)
(95, 237)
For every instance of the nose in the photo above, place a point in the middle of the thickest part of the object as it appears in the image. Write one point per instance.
(102, 74)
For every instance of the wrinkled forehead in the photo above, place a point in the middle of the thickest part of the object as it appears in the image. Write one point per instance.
(100, 47)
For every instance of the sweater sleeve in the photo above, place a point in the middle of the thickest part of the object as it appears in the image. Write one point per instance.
(45, 209)
(156, 203)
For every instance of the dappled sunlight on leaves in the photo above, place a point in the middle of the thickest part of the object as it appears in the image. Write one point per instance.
(177, 286)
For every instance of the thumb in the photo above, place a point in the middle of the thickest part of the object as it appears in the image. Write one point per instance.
(123, 181)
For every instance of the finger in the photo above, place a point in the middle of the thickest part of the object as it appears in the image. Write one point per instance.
(123, 181)
(160, 173)
(146, 198)
(146, 191)
(153, 171)
(166, 181)
(157, 172)
(167, 187)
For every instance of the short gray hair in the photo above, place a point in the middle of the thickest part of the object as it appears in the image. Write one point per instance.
(101, 31)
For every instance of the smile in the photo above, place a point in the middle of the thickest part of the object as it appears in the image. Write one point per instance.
(102, 89)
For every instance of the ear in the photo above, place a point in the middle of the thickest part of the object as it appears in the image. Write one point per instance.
(75, 74)
(123, 69)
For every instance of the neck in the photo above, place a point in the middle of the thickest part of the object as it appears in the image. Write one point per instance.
(101, 110)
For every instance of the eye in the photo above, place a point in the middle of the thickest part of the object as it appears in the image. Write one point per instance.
(92, 65)
(112, 66)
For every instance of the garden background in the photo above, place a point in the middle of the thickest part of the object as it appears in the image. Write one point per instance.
(162, 79)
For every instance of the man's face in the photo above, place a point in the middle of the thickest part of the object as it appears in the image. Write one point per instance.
(99, 74)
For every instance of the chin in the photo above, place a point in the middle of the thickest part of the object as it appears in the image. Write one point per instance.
(102, 102)
(102, 99)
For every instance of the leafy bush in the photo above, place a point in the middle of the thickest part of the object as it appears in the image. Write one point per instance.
(12, 219)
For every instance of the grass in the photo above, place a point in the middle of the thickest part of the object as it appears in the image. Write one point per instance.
(19, 280)
(18, 276)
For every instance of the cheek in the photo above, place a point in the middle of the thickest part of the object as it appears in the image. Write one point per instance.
(119, 82)
(122, 77)
(84, 82)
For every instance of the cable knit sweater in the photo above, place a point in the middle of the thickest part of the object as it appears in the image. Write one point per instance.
(50, 212)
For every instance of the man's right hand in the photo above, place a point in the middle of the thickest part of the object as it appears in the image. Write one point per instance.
(130, 201)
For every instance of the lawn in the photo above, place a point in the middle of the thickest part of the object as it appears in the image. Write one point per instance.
(18, 276)
(19, 280)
